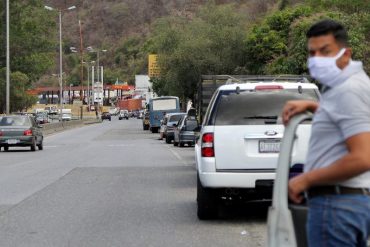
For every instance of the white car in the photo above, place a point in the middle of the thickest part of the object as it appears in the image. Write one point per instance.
(114, 111)
(237, 151)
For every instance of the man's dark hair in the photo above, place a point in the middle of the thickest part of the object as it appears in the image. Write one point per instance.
(326, 27)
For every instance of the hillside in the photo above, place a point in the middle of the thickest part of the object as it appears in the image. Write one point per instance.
(122, 26)
(107, 21)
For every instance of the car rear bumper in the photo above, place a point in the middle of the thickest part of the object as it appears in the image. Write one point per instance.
(234, 180)
(187, 138)
(21, 141)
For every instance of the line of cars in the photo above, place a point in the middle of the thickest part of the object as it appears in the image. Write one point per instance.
(180, 128)
(122, 114)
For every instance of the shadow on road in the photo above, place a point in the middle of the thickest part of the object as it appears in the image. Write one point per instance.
(244, 212)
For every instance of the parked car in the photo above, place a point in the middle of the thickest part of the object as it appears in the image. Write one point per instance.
(21, 131)
(146, 121)
(239, 144)
(106, 115)
(123, 114)
(168, 124)
(184, 131)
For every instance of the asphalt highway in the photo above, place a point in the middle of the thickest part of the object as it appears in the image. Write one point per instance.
(112, 184)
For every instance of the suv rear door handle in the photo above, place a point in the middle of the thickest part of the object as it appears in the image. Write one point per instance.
(262, 136)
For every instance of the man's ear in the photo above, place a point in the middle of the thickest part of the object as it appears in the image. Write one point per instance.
(343, 61)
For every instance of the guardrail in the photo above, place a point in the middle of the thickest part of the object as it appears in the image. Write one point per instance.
(50, 128)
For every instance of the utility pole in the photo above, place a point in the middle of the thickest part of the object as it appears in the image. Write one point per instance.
(60, 57)
(7, 111)
(60, 67)
(82, 55)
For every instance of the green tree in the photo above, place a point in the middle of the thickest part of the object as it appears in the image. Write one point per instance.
(20, 100)
(32, 30)
(211, 42)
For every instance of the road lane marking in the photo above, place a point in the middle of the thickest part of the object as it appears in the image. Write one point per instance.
(178, 157)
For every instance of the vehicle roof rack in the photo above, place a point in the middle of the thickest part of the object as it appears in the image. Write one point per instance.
(266, 78)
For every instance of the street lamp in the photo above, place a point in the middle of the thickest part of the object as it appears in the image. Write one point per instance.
(90, 49)
(60, 55)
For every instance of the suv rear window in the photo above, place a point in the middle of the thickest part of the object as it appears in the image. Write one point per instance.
(255, 107)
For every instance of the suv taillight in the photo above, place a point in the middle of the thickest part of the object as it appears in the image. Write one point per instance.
(207, 145)
(27, 133)
(1, 133)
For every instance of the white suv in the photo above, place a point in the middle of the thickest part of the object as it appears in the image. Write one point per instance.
(238, 148)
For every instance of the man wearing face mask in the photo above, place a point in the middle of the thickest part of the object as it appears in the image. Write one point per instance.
(337, 171)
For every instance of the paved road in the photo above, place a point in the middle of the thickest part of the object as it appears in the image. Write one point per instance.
(112, 184)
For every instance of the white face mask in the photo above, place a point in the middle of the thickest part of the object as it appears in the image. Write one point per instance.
(325, 69)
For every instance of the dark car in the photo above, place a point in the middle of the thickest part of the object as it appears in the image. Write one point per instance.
(185, 131)
(21, 131)
(42, 118)
(106, 115)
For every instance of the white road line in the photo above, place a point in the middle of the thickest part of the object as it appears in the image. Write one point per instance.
(178, 156)
(50, 146)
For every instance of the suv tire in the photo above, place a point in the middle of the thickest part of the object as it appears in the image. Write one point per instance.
(206, 202)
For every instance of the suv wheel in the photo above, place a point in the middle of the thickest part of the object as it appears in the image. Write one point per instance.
(181, 144)
(206, 202)
(6, 148)
(175, 143)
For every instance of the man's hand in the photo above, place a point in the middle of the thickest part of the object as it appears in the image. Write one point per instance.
(295, 107)
(296, 187)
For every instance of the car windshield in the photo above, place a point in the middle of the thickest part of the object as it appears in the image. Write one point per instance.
(175, 118)
(14, 121)
(255, 107)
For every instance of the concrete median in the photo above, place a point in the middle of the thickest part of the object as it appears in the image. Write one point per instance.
(51, 128)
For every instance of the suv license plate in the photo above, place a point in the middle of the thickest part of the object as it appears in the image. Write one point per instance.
(269, 146)
(12, 141)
